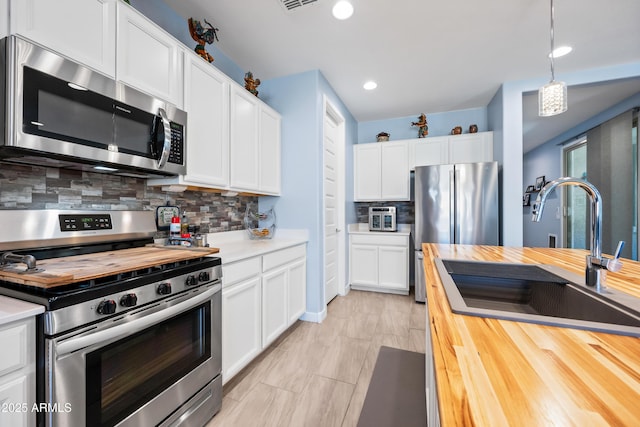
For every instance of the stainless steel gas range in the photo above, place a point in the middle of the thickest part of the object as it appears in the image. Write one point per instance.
(131, 332)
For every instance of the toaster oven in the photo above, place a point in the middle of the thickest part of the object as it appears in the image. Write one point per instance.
(382, 218)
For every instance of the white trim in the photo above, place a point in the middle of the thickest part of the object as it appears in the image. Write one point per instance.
(329, 110)
(309, 316)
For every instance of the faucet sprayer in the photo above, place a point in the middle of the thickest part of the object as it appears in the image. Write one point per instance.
(595, 261)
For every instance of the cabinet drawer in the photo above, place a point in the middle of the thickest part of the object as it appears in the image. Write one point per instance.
(284, 256)
(379, 239)
(14, 342)
(241, 270)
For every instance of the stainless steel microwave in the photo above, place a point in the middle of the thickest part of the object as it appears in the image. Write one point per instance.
(58, 113)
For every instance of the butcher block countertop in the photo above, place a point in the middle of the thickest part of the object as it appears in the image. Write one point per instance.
(78, 268)
(492, 372)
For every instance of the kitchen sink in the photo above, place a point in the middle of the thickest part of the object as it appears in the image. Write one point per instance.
(536, 293)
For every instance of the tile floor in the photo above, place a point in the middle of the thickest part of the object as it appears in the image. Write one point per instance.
(318, 374)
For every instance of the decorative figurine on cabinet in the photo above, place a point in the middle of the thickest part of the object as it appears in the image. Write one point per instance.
(250, 83)
(202, 36)
(423, 128)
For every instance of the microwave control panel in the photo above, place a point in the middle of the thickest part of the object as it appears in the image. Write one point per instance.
(176, 154)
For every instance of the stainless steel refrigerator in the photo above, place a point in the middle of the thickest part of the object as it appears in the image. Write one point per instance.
(454, 204)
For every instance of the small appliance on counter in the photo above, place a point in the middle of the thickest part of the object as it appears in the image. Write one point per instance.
(382, 218)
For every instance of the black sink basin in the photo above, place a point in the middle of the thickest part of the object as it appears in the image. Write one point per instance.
(536, 294)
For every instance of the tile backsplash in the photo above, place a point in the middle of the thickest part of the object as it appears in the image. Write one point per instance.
(34, 187)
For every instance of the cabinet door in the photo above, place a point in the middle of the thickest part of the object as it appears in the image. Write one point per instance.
(431, 151)
(15, 409)
(394, 178)
(367, 172)
(297, 290)
(393, 267)
(364, 265)
(207, 103)
(269, 151)
(471, 148)
(274, 305)
(244, 152)
(148, 58)
(83, 30)
(241, 331)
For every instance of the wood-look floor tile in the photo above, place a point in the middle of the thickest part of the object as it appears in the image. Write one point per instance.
(342, 306)
(417, 338)
(394, 322)
(263, 406)
(222, 416)
(391, 340)
(418, 316)
(324, 402)
(295, 366)
(361, 325)
(324, 333)
(256, 373)
(343, 361)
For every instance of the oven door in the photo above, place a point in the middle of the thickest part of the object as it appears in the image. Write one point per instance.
(140, 369)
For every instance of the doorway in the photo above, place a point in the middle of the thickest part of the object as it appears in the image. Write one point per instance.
(575, 224)
(333, 141)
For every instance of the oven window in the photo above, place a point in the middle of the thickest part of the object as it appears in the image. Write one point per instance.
(125, 375)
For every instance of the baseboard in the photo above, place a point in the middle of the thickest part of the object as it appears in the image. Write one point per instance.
(316, 317)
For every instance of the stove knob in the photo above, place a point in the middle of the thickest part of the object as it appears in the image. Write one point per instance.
(191, 280)
(128, 300)
(204, 276)
(107, 307)
(164, 289)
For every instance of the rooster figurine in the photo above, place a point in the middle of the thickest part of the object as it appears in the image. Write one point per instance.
(202, 36)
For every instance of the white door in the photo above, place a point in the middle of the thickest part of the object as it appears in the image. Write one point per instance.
(333, 195)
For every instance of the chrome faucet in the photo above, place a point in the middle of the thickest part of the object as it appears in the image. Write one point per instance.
(596, 263)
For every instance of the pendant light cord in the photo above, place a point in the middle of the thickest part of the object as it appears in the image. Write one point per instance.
(553, 77)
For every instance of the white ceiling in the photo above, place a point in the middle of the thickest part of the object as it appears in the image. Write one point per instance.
(432, 56)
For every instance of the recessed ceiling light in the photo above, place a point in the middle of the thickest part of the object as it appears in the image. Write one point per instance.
(342, 10)
(560, 51)
(370, 85)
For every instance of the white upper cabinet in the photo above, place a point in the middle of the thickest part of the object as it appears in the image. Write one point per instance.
(244, 136)
(255, 144)
(429, 151)
(381, 171)
(82, 30)
(269, 162)
(206, 97)
(440, 150)
(148, 58)
(470, 148)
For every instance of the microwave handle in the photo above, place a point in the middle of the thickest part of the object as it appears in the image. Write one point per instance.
(166, 147)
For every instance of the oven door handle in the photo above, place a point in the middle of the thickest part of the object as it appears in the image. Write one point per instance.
(129, 328)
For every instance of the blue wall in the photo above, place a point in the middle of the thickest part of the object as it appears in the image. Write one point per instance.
(439, 124)
(299, 99)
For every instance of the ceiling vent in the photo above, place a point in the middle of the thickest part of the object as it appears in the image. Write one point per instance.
(292, 5)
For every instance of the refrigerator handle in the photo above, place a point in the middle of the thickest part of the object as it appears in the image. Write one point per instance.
(452, 207)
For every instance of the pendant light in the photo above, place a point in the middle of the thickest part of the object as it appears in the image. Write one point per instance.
(552, 97)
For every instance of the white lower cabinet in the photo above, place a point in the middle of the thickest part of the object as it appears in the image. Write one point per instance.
(241, 322)
(261, 297)
(379, 262)
(17, 373)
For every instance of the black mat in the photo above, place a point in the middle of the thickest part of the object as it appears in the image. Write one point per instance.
(396, 395)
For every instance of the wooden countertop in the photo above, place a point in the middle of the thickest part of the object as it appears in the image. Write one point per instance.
(78, 268)
(492, 372)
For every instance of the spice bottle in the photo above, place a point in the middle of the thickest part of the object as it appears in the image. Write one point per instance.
(184, 224)
(174, 228)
